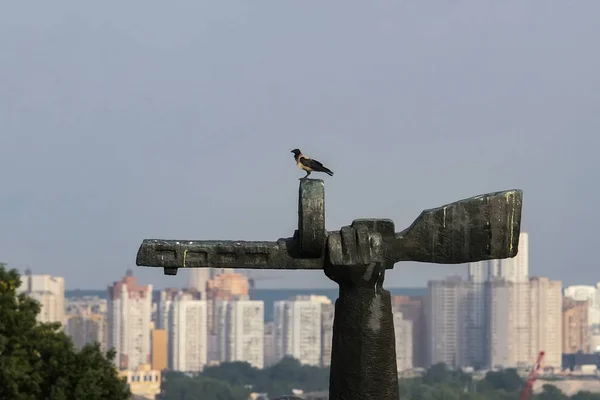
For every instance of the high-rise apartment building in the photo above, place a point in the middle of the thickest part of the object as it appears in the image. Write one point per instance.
(508, 324)
(591, 294)
(576, 333)
(240, 331)
(298, 328)
(446, 320)
(403, 330)
(546, 320)
(187, 333)
(86, 321)
(129, 318)
(49, 291)
(269, 344)
(413, 309)
(86, 328)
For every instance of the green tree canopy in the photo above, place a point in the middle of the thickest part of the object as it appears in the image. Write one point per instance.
(39, 361)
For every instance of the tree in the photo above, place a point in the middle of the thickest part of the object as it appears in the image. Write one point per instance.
(508, 380)
(39, 361)
(177, 386)
(585, 395)
(551, 392)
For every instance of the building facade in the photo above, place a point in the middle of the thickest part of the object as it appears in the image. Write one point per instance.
(129, 319)
(298, 328)
(49, 291)
(576, 332)
(403, 330)
(240, 331)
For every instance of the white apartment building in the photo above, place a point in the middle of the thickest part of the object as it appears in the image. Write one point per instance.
(508, 309)
(446, 314)
(240, 331)
(546, 320)
(591, 294)
(187, 336)
(403, 330)
(49, 291)
(298, 327)
(129, 319)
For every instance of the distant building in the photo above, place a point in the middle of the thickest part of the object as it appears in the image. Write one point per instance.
(509, 335)
(546, 320)
(49, 291)
(446, 319)
(240, 331)
(159, 339)
(86, 321)
(413, 309)
(143, 381)
(269, 344)
(199, 277)
(187, 334)
(87, 328)
(499, 318)
(591, 294)
(225, 286)
(576, 332)
(403, 330)
(298, 328)
(129, 318)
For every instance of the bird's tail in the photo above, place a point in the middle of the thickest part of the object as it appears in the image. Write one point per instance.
(328, 171)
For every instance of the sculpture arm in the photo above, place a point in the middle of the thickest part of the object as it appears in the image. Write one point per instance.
(223, 254)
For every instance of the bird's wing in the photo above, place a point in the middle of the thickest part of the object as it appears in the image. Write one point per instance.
(310, 163)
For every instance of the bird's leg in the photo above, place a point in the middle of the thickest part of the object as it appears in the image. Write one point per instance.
(305, 176)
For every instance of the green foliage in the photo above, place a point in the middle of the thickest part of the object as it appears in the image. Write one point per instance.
(507, 380)
(239, 379)
(235, 380)
(178, 386)
(39, 361)
(585, 395)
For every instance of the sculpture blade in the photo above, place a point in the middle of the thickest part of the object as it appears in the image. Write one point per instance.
(475, 229)
(222, 254)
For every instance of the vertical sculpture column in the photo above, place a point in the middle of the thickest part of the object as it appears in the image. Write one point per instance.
(363, 356)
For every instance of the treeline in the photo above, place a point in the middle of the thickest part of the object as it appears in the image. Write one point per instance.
(440, 382)
(235, 381)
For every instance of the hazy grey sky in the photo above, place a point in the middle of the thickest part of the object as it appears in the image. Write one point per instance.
(144, 119)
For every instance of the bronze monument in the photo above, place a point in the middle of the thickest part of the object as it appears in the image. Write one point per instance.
(363, 359)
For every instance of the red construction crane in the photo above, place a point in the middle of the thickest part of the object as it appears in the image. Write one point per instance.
(526, 392)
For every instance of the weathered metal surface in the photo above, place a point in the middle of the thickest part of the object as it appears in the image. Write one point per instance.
(479, 228)
(311, 218)
(363, 353)
(282, 254)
